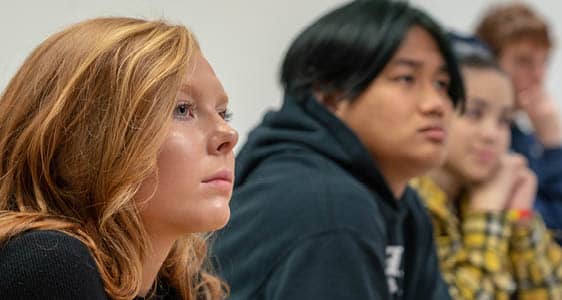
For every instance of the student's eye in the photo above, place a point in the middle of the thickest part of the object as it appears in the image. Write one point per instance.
(407, 79)
(226, 115)
(442, 84)
(184, 111)
(523, 62)
(506, 121)
(473, 113)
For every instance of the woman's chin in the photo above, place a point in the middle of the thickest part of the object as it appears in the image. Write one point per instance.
(221, 221)
(479, 175)
(217, 217)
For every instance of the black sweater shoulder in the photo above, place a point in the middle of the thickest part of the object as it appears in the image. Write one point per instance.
(48, 265)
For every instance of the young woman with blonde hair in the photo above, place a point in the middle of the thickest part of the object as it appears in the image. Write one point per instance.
(115, 155)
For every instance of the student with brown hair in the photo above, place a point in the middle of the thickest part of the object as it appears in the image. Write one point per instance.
(521, 42)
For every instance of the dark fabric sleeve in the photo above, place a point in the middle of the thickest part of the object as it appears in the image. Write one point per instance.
(48, 265)
(547, 165)
(332, 265)
(550, 173)
(549, 196)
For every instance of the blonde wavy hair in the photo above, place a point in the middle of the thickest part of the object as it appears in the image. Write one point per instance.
(81, 124)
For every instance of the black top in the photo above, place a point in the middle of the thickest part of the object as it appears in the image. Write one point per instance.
(546, 163)
(51, 265)
(313, 218)
(48, 265)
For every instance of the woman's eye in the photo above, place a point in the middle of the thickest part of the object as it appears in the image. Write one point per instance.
(226, 115)
(506, 120)
(473, 113)
(184, 110)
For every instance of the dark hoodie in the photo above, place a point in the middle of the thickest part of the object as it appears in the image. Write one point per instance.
(313, 218)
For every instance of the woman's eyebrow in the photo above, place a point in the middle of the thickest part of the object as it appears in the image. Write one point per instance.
(186, 88)
(479, 102)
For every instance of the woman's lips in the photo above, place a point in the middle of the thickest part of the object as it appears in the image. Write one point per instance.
(485, 155)
(221, 180)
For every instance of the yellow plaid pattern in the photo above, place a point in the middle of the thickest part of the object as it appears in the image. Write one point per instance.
(487, 255)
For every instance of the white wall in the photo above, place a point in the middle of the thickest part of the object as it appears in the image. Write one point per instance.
(243, 39)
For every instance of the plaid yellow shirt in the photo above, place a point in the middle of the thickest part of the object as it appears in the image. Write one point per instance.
(487, 255)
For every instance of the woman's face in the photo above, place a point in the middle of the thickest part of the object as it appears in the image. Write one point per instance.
(195, 167)
(482, 133)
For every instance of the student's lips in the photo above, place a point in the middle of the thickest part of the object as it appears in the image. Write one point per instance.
(434, 133)
(221, 180)
(485, 155)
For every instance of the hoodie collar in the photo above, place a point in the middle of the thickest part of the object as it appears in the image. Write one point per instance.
(309, 124)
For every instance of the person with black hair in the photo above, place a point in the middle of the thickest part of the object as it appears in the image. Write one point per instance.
(491, 243)
(321, 208)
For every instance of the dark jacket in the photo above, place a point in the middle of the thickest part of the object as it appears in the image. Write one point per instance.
(547, 165)
(313, 218)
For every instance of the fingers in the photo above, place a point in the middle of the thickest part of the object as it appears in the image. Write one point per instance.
(529, 97)
(525, 190)
(512, 162)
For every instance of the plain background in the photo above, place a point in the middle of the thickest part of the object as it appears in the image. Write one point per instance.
(244, 40)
